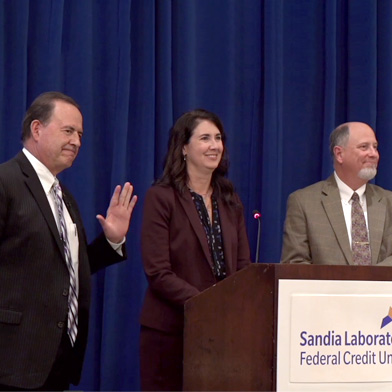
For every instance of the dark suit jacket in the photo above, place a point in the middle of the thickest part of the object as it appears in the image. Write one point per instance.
(34, 278)
(315, 229)
(176, 256)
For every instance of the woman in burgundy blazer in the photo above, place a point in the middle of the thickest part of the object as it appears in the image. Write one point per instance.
(193, 236)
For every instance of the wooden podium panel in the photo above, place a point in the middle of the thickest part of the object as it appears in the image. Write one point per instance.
(230, 329)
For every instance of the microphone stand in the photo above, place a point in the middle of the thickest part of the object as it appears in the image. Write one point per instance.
(257, 215)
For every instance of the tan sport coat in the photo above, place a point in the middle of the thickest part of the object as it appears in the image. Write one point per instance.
(315, 231)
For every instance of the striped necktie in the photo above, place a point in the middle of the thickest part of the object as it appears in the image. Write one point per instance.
(359, 235)
(72, 297)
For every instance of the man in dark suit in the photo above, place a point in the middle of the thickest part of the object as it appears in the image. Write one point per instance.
(45, 275)
(319, 225)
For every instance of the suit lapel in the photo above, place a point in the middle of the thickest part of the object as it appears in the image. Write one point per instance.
(68, 204)
(376, 219)
(193, 216)
(334, 210)
(33, 183)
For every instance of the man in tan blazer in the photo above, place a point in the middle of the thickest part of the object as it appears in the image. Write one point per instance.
(318, 222)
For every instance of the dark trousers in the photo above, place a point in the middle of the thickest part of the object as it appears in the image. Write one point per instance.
(58, 379)
(161, 356)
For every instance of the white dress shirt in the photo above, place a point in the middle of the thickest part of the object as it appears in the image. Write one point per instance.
(47, 179)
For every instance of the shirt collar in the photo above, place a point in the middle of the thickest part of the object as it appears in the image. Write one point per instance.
(45, 176)
(346, 192)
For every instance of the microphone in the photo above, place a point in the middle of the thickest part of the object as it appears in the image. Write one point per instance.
(257, 215)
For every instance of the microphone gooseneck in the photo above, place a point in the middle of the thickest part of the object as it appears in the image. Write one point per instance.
(257, 215)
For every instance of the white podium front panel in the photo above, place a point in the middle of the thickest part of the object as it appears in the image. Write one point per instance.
(334, 336)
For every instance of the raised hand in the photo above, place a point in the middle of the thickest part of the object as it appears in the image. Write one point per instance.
(118, 215)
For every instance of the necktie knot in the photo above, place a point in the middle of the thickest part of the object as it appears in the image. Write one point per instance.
(56, 189)
(355, 197)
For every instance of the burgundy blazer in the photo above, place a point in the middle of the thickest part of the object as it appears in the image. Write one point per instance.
(176, 256)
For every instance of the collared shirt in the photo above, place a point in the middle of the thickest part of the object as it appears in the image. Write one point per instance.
(345, 195)
(47, 179)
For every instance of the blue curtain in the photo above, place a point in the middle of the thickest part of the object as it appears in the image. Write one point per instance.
(280, 73)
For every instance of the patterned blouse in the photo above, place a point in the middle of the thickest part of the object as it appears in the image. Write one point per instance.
(213, 233)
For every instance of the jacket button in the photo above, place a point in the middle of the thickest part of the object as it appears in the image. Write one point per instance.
(65, 292)
(60, 324)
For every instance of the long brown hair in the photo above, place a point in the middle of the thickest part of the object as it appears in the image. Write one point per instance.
(175, 173)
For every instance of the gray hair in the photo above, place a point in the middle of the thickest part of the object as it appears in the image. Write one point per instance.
(339, 137)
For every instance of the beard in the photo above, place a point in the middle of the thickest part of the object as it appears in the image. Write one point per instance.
(367, 173)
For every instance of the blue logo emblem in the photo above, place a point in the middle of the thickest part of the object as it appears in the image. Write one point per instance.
(387, 319)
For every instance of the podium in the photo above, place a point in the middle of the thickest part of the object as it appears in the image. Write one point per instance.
(230, 329)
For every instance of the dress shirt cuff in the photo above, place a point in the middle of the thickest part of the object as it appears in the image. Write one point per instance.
(117, 247)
